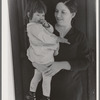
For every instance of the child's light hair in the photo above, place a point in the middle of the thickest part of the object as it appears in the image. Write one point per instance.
(35, 6)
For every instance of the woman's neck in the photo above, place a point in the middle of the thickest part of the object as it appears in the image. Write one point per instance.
(63, 30)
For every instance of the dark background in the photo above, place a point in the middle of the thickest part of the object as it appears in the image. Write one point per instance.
(85, 21)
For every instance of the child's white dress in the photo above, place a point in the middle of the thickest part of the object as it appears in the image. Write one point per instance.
(43, 44)
(38, 36)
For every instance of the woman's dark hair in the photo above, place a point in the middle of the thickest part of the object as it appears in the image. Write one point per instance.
(71, 4)
(35, 6)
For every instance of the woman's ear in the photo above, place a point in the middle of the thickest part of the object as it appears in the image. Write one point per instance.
(73, 15)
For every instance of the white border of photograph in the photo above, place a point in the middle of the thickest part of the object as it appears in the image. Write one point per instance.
(97, 49)
(8, 92)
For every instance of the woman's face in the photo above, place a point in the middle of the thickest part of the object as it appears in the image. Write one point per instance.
(63, 15)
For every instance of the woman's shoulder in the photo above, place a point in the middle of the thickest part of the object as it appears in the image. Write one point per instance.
(78, 32)
(79, 35)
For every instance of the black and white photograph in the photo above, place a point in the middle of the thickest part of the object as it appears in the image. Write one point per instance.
(50, 50)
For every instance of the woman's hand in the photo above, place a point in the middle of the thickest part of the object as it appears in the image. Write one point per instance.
(56, 67)
(39, 67)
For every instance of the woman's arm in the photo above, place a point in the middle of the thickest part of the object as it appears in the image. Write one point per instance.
(56, 67)
(82, 61)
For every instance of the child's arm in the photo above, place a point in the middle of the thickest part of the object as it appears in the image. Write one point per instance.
(35, 41)
(56, 52)
(32, 32)
(47, 39)
(63, 40)
(50, 28)
(47, 25)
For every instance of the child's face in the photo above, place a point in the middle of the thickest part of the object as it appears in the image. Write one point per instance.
(37, 17)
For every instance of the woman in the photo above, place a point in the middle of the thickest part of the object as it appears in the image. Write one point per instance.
(72, 59)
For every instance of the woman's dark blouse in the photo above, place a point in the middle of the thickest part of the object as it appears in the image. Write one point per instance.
(66, 85)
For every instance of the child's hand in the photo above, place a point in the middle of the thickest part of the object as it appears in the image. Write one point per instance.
(56, 52)
(44, 23)
(63, 40)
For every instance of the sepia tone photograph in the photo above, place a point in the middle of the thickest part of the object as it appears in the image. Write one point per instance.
(52, 50)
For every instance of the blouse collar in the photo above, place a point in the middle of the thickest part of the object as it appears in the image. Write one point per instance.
(67, 35)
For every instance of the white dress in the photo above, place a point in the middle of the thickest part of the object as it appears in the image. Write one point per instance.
(37, 52)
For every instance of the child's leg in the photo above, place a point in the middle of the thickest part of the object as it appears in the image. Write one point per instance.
(33, 85)
(35, 80)
(46, 85)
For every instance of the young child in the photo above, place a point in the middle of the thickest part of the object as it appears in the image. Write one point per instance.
(44, 45)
